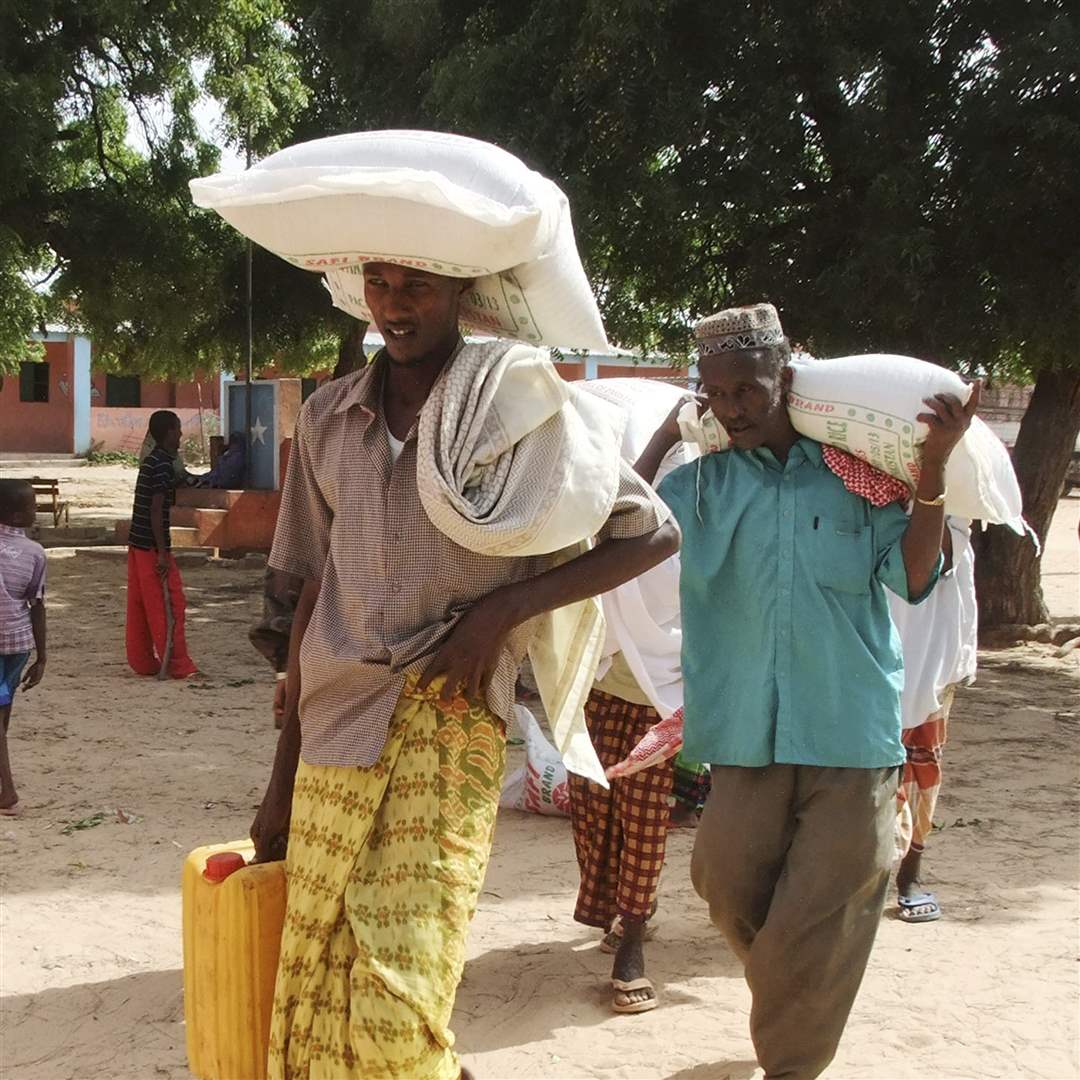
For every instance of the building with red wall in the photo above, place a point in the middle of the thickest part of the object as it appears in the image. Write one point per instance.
(129, 391)
(122, 406)
(45, 407)
(61, 406)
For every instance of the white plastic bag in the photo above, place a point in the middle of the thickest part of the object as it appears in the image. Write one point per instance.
(646, 404)
(867, 405)
(981, 481)
(439, 202)
(643, 617)
(541, 785)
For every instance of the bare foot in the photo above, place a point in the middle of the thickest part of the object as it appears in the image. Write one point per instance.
(907, 877)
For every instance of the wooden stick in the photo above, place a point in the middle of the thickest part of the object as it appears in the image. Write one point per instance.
(163, 671)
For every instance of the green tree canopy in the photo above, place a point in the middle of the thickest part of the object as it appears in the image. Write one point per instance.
(895, 177)
(157, 283)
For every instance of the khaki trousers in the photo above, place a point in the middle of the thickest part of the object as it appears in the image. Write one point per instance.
(794, 863)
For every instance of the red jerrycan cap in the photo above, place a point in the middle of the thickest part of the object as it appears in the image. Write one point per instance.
(221, 865)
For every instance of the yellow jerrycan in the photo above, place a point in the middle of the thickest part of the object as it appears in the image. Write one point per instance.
(233, 915)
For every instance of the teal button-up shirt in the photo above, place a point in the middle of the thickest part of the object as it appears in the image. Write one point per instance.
(789, 652)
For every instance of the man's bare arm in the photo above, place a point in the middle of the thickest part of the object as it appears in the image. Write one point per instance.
(157, 527)
(469, 656)
(271, 823)
(922, 541)
(36, 671)
(606, 567)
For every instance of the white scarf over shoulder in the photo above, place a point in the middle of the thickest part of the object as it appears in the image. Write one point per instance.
(514, 461)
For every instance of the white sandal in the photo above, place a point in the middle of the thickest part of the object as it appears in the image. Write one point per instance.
(623, 988)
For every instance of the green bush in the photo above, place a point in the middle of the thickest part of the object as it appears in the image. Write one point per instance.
(112, 457)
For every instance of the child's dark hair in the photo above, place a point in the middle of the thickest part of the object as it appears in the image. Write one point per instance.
(161, 423)
(12, 494)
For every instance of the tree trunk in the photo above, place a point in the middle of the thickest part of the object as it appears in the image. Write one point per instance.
(1007, 569)
(351, 350)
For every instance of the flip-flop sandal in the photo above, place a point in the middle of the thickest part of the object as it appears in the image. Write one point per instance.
(611, 941)
(922, 907)
(620, 987)
(15, 810)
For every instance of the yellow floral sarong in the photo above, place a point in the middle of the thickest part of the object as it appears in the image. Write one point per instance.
(385, 865)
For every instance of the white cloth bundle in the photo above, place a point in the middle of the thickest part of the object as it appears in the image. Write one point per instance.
(940, 635)
(512, 460)
(434, 201)
(643, 616)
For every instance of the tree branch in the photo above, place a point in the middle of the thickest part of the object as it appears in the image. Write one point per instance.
(48, 277)
(104, 161)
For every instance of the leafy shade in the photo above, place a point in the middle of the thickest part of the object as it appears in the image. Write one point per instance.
(102, 236)
(895, 177)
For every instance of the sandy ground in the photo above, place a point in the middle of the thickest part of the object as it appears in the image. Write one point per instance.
(97, 495)
(90, 952)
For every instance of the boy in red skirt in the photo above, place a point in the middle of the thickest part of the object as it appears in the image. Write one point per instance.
(152, 570)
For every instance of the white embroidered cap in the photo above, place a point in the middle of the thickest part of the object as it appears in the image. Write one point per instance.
(754, 327)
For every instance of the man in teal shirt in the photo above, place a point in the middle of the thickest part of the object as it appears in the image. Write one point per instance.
(792, 672)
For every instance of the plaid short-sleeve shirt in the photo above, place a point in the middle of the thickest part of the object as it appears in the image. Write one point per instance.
(393, 586)
(22, 583)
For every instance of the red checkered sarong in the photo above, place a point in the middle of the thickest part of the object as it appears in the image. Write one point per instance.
(921, 785)
(619, 834)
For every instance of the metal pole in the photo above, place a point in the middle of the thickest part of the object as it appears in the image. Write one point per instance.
(250, 336)
(202, 426)
(248, 378)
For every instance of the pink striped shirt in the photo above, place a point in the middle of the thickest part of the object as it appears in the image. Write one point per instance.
(22, 581)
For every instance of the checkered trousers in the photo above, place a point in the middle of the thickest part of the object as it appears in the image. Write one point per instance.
(619, 834)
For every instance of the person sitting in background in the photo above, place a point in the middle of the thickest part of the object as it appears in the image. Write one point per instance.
(228, 470)
(940, 643)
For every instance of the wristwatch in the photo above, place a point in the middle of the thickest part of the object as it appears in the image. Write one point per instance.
(939, 501)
